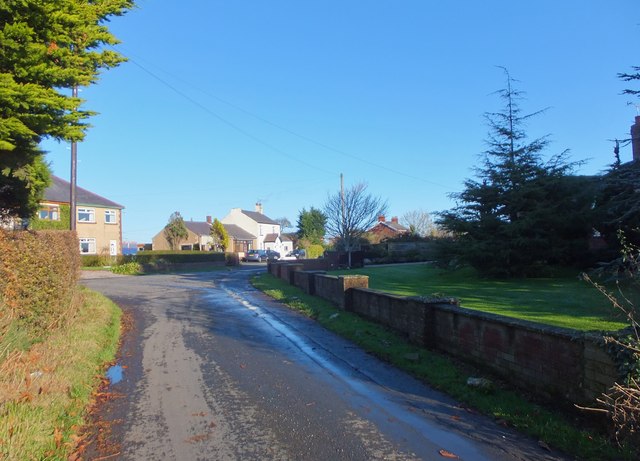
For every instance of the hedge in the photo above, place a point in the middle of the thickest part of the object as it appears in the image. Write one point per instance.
(38, 275)
(178, 257)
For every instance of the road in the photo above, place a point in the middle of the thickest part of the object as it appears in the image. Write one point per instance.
(215, 370)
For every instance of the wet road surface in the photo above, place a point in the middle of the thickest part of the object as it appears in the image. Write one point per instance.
(214, 370)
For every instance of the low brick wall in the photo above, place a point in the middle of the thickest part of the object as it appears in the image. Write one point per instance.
(549, 361)
(334, 288)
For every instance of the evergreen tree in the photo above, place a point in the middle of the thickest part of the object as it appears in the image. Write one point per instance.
(46, 48)
(175, 231)
(220, 236)
(521, 214)
(312, 226)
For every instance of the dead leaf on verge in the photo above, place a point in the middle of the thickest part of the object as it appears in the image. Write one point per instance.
(456, 418)
(448, 454)
(544, 445)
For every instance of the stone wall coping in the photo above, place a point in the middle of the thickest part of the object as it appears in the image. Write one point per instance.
(567, 333)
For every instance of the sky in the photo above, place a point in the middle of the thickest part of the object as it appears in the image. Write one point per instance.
(223, 104)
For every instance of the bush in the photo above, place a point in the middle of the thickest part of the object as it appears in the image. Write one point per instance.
(38, 275)
(179, 257)
(314, 251)
(130, 268)
(231, 259)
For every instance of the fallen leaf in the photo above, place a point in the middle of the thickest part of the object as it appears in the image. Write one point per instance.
(544, 445)
(456, 418)
(242, 365)
(57, 437)
(448, 454)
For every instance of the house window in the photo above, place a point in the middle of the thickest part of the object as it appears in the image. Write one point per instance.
(86, 215)
(49, 213)
(88, 246)
(110, 217)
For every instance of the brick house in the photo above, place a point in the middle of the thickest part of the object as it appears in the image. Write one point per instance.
(386, 229)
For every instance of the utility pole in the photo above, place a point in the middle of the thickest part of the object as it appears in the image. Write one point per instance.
(74, 169)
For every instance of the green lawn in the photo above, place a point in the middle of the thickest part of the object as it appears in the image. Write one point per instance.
(565, 301)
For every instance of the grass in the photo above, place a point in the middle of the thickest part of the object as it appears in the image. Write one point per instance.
(564, 301)
(558, 430)
(45, 389)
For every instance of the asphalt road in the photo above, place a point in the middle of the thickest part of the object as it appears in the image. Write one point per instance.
(215, 370)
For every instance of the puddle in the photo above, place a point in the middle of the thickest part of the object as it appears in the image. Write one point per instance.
(114, 374)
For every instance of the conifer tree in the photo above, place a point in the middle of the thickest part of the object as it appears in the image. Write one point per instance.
(219, 235)
(47, 47)
(175, 231)
(520, 214)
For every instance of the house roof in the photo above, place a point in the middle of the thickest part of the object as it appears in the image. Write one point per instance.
(198, 227)
(238, 233)
(395, 226)
(269, 238)
(258, 217)
(60, 191)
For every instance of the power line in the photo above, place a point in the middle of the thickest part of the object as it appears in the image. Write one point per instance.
(275, 125)
(227, 122)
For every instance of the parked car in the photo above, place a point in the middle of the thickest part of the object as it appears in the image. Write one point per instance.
(273, 255)
(299, 254)
(288, 257)
(256, 256)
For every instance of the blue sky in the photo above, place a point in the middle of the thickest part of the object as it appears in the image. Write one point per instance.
(225, 103)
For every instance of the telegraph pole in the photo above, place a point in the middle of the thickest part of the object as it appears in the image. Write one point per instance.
(74, 169)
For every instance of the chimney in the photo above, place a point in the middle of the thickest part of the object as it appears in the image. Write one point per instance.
(635, 139)
(381, 218)
(259, 208)
(394, 220)
(209, 219)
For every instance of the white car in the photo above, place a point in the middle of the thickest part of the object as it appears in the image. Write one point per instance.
(288, 257)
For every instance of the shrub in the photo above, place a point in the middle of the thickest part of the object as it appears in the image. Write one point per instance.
(314, 251)
(231, 259)
(179, 257)
(130, 268)
(38, 275)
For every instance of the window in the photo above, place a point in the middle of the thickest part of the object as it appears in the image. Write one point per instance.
(110, 217)
(86, 215)
(49, 213)
(88, 246)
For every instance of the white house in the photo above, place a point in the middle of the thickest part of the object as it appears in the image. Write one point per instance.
(267, 231)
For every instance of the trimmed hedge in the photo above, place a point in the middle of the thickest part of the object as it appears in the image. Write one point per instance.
(179, 257)
(38, 275)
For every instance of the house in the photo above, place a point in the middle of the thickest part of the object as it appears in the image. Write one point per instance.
(386, 229)
(199, 237)
(98, 220)
(267, 232)
(280, 243)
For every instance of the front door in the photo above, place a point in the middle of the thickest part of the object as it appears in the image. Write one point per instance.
(113, 247)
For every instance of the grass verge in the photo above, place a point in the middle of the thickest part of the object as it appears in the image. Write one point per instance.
(564, 300)
(565, 432)
(45, 390)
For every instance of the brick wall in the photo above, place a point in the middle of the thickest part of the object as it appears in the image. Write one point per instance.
(546, 360)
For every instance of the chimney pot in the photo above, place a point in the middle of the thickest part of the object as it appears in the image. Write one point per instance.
(209, 219)
(394, 219)
(381, 218)
(259, 207)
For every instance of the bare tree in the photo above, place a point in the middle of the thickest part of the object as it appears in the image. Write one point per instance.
(351, 214)
(419, 222)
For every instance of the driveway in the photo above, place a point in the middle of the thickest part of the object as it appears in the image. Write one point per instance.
(214, 370)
